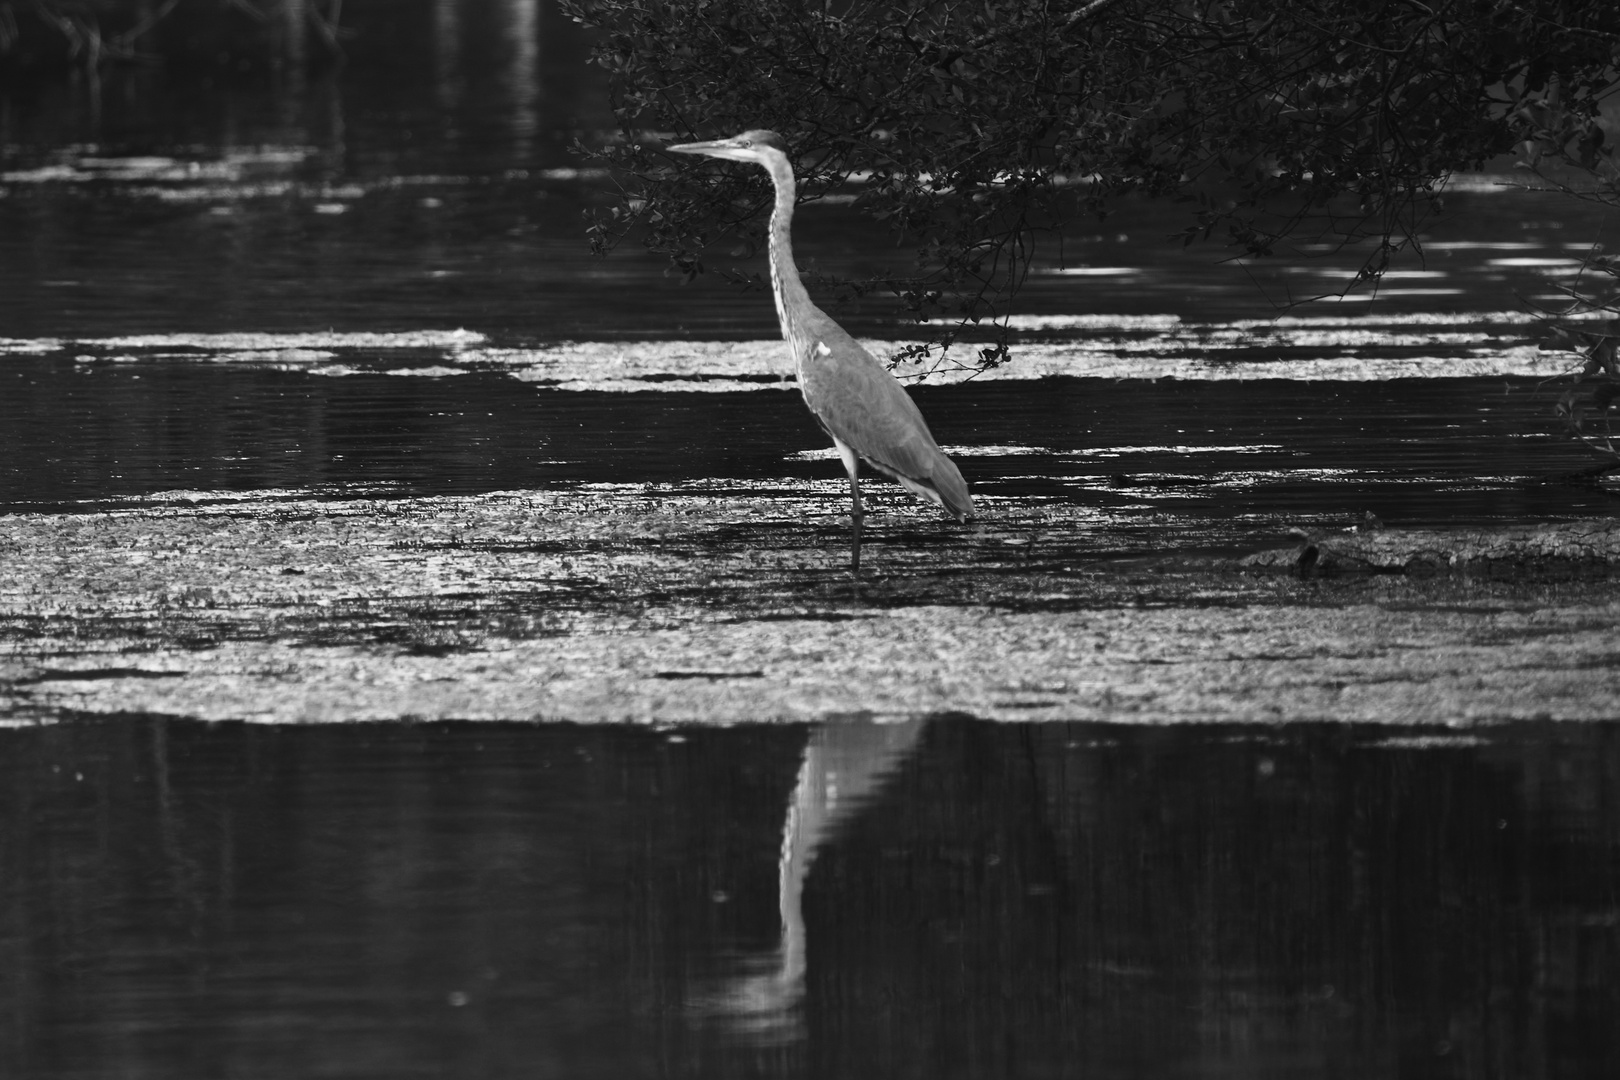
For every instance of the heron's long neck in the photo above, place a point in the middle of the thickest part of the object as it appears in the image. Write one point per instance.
(789, 291)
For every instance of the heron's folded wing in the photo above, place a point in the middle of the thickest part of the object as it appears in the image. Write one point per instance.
(861, 404)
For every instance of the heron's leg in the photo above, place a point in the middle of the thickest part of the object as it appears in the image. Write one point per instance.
(852, 465)
(856, 517)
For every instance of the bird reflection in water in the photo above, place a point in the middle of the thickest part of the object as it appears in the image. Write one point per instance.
(844, 768)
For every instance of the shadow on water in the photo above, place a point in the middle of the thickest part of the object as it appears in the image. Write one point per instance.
(946, 898)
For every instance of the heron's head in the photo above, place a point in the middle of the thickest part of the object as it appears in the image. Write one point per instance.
(755, 146)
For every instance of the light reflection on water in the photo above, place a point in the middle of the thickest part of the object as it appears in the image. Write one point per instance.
(937, 899)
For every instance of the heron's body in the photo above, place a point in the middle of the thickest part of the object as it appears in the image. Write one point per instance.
(867, 413)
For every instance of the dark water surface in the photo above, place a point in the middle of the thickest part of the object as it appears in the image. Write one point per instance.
(976, 900)
(1415, 452)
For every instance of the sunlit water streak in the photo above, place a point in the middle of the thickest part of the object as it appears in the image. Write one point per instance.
(1471, 345)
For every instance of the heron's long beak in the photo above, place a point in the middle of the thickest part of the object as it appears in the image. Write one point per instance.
(718, 148)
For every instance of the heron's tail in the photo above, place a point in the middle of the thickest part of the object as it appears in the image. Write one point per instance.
(953, 490)
(944, 486)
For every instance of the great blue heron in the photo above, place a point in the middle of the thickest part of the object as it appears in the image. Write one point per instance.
(860, 404)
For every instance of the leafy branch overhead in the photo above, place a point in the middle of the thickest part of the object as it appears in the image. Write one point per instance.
(975, 128)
